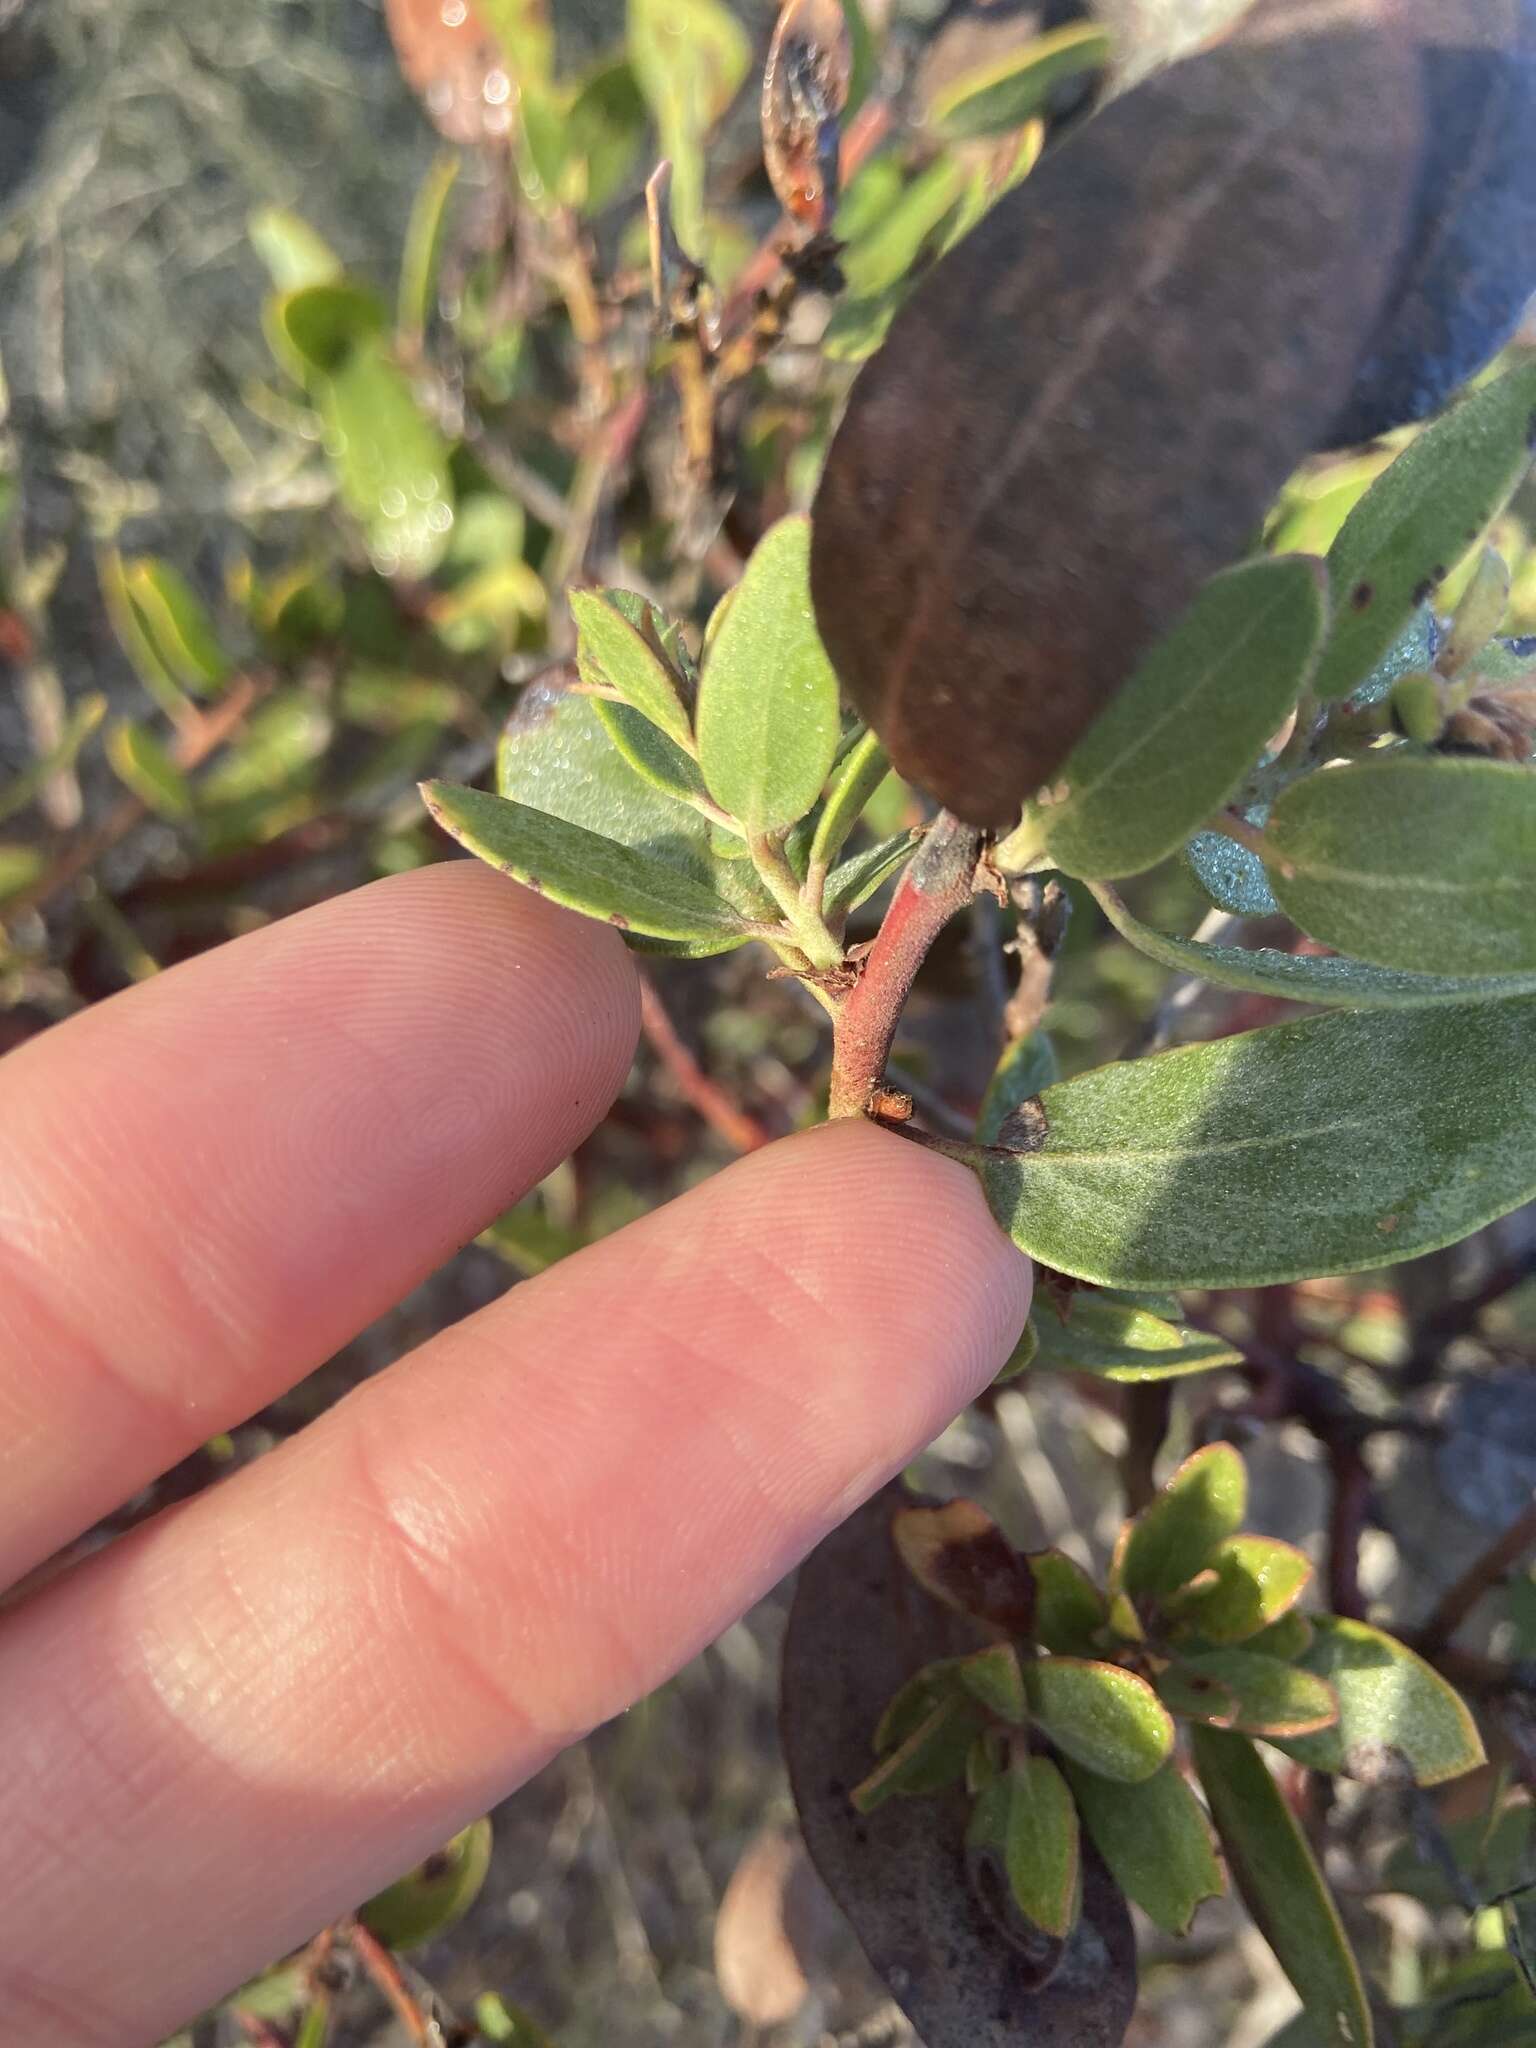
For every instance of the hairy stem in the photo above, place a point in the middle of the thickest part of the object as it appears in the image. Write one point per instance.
(939, 882)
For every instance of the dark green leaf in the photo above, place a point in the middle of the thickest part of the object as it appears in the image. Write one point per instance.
(1175, 1535)
(856, 879)
(859, 772)
(1117, 1339)
(661, 761)
(1419, 864)
(1269, 1698)
(611, 650)
(1069, 1608)
(601, 877)
(925, 1691)
(1177, 741)
(606, 132)
(994, 1677)
(320, 325)
(1101, 1716)
(1395, 1711)
(1372, 1137)
(1287, 1638)
(1156, 1840)
(1255, 1580)
(1027, 1066)
(1418, 520)
(1304, 977)
(1014, 88)
(1040, 1849)
(1283, 1888)
(768, 713)
(931, 1758)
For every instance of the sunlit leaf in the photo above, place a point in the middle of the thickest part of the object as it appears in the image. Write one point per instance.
(1117, 1339)
(178, 624)
(1028, 1821)
(1175, 1535)
(691, 58)
(1100, 1715)
(1003, 95)
(613, 651)
(1395, 1711)
(146, 766)
(294, 253)
(1412, 863)
(1156, 1840)
(439, 1892)
(1268, 1698)
(853, 782)
(390, 460)
(1069, 1608)
(1254, 1581)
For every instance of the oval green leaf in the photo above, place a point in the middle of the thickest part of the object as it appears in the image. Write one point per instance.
(145, 765)
(1069, 1608)
(1330, 983)
(1177, 741)
(391, 463)
(321, 324)
(1412, 863)
(175, 620)
(931, 1758)
(918, 1697)
(1254, 1580)
(1156, 1840)
(856, 777)
(1116, 1339)
(1284, 1890)
(611, 650)
(600, 877)
(1418, 520)
(998, 97)
(1040, 1846)
(1268, 1698)
(1101, 1716)
(1174, 1536)
(994, 1677)
(855, 880)
(1378, 1134)
(432, 1897)
(768, 712)
(1394, 1709)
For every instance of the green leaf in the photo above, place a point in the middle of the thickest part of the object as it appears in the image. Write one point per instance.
(557, 755)
(439, 1892)
(1287, 1638)
(1394, 1709)
(931, 1758)
(1419, 518)
(144, 764)
(1284, 1890)
(1027, 1066)
(1412, 863)
(1254, 1581)
(768, 711)
(1101, 1716)
(600, 877)
(1175, 1535)
(660, 760)
(1190, 1696)
(856, 776)
(1178, 740)
(887, 254)
(390, 461)
(1013, 89)
(994, 1677)
(1156, 1840)
(1268, 1698)
(1305, 977)
(1069, 1608)
(177, 625)
(691, 57)
(20, 867)
(856, 879)
(295, 255)
(1040, 1844)
(423, 246)
(925, 1691)
(1372, 1136)
(605, 132)
(317, 327)
(522, 29)
(1117, 1339)
(1230, 875)
(613, 651)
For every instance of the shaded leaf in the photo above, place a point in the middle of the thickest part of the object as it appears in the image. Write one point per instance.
(1100, 1715)
(768, 711)
(1014, 88)
(433, 1896)
(981, 657)
(918, 1698)
(1287, 1638)
(1027, 1066)
(1254, 1581)
(1304, 977)
(1379, 1135)
(611, 650)
(1156, 1840)
(1069, 1608)
(1419, 518)
(293, 252)
(600, 877)
(994, 1677)
(605, 133)
(320, 325)
(856, 879)
(661, 761)
(1396, 1713)
(855, 1628)
(1284, 1890)
(145, 765)
(1040, 1847)
(1175, 1535)
(959, 1555)
(1417, 864)
(931, 1758)
(1268, 1698)
(423, 248)
(858, 773)
(881, 258)
(1118, 1339)
(1178, 739)
(1193, 1696)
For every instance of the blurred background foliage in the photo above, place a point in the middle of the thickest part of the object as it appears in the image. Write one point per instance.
(308, 418)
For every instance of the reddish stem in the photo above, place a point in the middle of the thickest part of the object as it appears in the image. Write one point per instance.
(1488, 1571)
(743, 1133)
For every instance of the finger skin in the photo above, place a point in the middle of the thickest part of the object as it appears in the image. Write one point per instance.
(210, 1183)
(253, 1712)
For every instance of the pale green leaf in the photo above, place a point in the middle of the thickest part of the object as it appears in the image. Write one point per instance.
(1420, 864)
(1175, 1535)
(522, 29)
(391, 463)
(1100, 1715)
(1277, 1875)
(1014, 88)
(1268, 1698)
(1419, 519)
(1116, 1338)
(177, 624)
(1040, 1845)
(295, 255)
(434, 1896)
(611, 650)
(1326, 981)
(857, 774)
(598, 876)
(1331, 1145)
(1253, 1581)
(768, 701)
(423, 246)
(1394, 1709)
(145, 765)
(20, 867)
(661, 761)
(884, 257)
(691, 58)
(1156, 1840)
(1176, 742)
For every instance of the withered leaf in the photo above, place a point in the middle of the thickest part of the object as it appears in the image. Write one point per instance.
(959, 1555)
(805, 89)
(859, 1627)
(1086, 409)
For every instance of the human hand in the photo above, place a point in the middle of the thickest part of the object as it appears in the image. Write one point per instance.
(236, 1722)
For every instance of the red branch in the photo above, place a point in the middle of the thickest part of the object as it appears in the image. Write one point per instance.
(1489, 1570)
(741, 1132)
